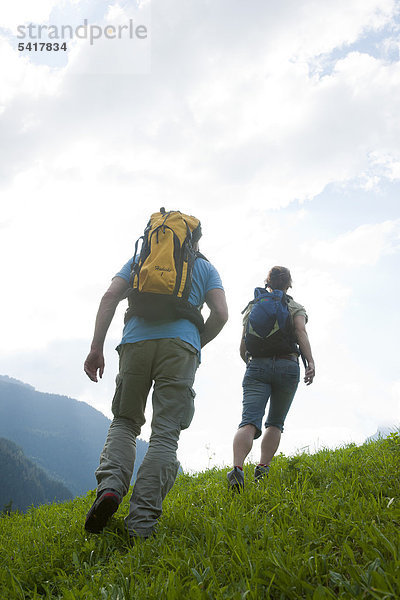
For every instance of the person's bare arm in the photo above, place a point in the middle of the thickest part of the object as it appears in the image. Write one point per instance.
(109, 302)
(305, 347)
(216, 302)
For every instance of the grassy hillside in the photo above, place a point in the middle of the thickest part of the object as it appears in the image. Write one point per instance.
(322, 526)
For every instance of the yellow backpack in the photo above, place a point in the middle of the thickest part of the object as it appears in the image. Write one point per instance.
(161, 276)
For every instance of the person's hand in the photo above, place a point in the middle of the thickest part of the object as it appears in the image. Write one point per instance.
(309, 374)
(94, 363)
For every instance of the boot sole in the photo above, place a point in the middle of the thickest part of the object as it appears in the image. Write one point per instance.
(100, 513)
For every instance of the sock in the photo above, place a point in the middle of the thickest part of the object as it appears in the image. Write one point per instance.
(262, 465)
(237, 467)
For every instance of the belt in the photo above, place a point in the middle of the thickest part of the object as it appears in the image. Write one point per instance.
(288, 357)
(293, 357)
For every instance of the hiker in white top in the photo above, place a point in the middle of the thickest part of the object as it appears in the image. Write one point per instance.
(274, 335)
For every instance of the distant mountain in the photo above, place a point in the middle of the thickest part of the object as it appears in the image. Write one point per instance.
(22, 483)
(62, 436)
(8, 379)
(383, 432)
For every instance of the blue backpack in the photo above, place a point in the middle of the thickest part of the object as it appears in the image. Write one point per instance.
(269, 330)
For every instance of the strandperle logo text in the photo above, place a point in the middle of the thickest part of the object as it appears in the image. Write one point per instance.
(84, 31)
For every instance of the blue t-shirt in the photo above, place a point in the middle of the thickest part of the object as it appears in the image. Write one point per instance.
(205, 278)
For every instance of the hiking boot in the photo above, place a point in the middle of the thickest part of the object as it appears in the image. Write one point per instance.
(236, 480)
(101, 510)
(260, 472)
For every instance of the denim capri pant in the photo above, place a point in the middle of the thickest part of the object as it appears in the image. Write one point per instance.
(274, 379)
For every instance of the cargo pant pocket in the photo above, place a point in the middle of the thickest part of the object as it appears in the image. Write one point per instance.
(129, 400)
(188, 413)
(116, 402)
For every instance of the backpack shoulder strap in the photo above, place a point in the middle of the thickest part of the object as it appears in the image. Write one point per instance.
(200, 255)
(247, 306)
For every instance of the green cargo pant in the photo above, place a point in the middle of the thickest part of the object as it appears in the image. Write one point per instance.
(171, 364)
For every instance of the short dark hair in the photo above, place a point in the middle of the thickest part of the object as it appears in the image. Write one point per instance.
(279, 278)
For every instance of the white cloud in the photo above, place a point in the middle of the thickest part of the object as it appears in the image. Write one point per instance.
(387, 164)
(243, 113)
(395, 398)
(23, 11)
(362, 247)
(26, 81)
(232, 124)
(328, 25)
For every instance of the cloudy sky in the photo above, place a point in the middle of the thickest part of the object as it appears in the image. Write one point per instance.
(276, 123)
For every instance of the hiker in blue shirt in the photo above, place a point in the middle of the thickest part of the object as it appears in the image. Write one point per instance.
(164, 352)
(274, 335)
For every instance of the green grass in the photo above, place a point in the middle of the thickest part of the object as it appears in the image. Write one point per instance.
(322, 526)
